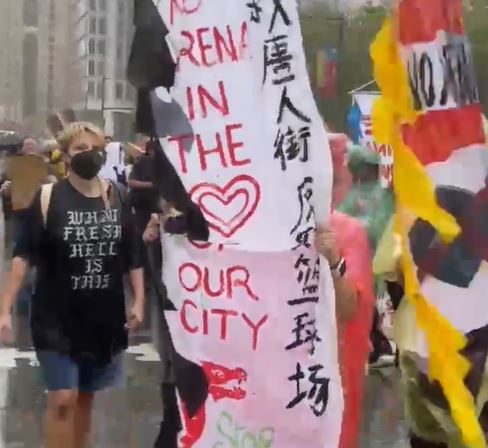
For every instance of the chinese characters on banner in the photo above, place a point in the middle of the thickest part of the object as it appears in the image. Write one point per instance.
(255, 307)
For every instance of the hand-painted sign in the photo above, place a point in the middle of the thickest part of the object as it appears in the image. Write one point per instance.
(254, 320)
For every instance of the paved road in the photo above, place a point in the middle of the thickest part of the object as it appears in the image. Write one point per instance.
(129, 416)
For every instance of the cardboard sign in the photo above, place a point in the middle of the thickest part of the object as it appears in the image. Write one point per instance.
(27, 173)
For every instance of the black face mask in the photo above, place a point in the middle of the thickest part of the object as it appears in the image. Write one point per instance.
(88, 164)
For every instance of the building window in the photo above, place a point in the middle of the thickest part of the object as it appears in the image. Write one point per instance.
(119, 90)
(102, 26)
(101, 47)
(101, 91)
(120, 51)
(103, 5)
(31, 54)
(93, 25)
(31, 12)
(101, 67)
(93, 5)
(91, 67)
(91, 46)
(52, 12)
(90, 89)
(130, 93)
(120, 68)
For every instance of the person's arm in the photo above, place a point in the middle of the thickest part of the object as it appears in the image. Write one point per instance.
(346, 293)
(151, 233)
(5, 186)
(133, 256)
(136, 316)
(347, 302)
(136, 175)
(13, 283)
(140, 185)
(25, 247)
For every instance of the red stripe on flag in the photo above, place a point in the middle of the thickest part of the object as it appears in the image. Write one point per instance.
(437, 134)
(420, 20)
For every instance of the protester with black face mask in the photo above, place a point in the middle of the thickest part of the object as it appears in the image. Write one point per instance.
(80, 236)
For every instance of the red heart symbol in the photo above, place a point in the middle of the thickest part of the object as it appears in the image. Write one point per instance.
(242, 186)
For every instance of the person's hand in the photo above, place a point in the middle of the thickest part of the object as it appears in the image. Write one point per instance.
(326, 245)
(169, 212)
(6, 328)
(136, 316)
(152, 230)
(6, 188)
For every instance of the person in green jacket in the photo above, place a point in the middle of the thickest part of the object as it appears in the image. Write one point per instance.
(372, 205)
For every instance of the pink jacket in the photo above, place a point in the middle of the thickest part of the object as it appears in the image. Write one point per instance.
(354, 345)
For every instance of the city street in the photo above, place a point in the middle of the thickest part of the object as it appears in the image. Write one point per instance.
(129, 416)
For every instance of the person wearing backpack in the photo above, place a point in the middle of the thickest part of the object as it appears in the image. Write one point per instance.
(79, 235)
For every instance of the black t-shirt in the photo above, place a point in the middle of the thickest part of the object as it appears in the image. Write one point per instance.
(144, 199)
(81, 255)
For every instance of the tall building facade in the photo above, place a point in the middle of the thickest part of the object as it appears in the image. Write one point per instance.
(38, 74)
(11, 57)
(104, 30)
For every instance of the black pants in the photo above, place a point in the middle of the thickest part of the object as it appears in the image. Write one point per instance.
(171, 424)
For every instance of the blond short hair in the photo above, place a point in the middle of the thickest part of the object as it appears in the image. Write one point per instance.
(73, 130)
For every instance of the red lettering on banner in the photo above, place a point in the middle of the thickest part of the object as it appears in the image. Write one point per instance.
(206, 99)
(224, 315)
(204, 152)
(206, 246)
(234, 145)
(204, 47)
(223, 149)
(198, 273)
(244, 187)
(221, 45)
(188, 50)
(208, 47)
(206, 284)
(255, 327)
(233, 281)
(193, 277)
(183, 7)
(180, 142)
(184, 321)
(195, 321)
(244, 44)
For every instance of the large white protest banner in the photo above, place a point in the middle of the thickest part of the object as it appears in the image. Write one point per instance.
(254, 321)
